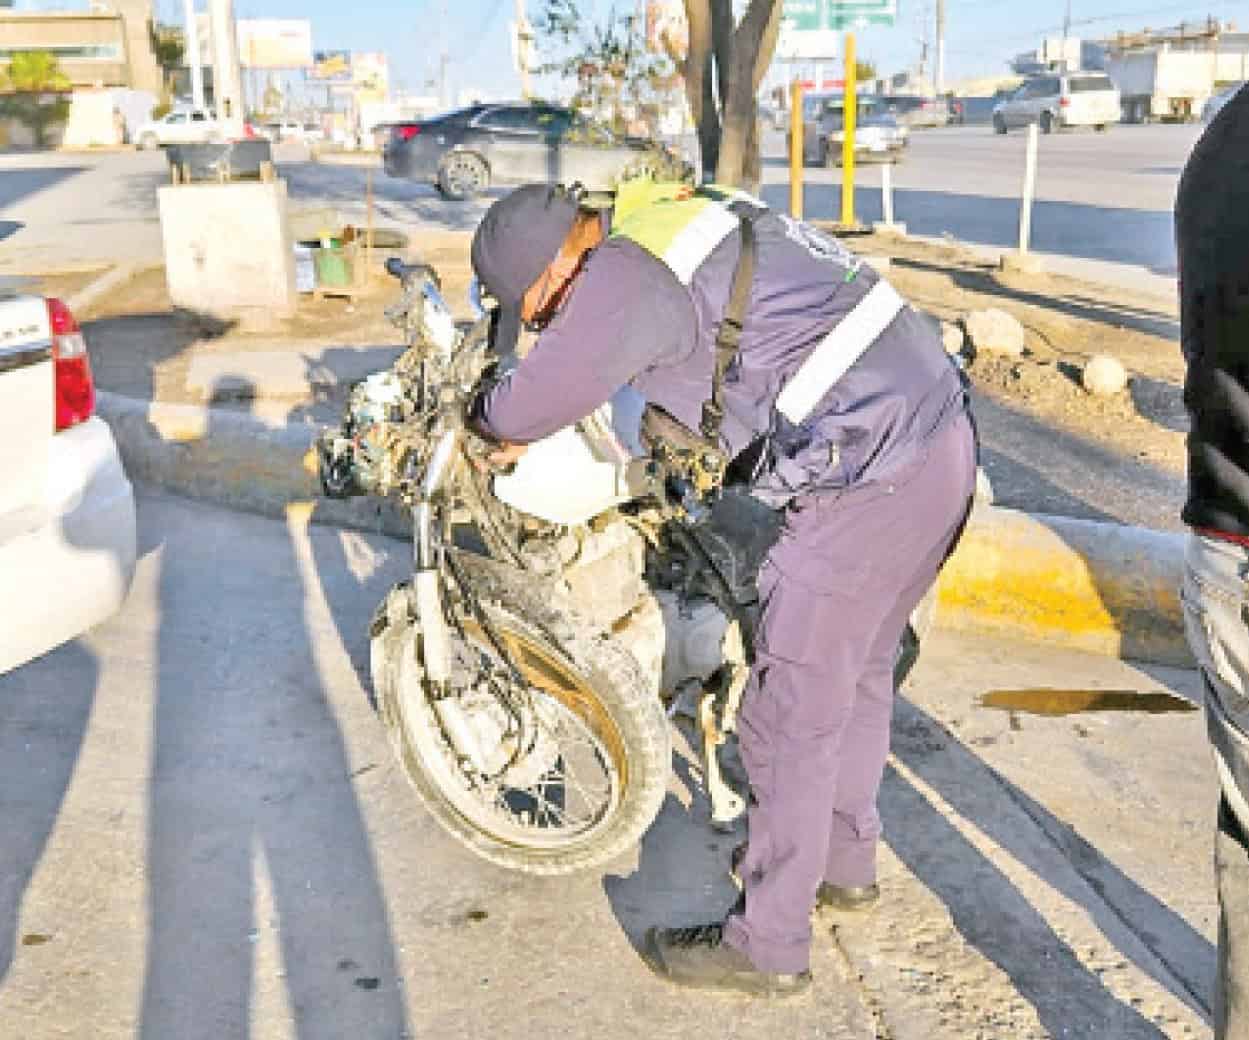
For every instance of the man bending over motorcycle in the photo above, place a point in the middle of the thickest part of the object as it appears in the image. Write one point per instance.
(761, 334)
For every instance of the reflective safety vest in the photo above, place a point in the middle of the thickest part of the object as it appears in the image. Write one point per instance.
(682, 227)
(676, 224)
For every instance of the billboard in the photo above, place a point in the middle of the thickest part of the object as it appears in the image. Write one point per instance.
(666, 23)
(275, 43)
(331, 66)
(370, 75)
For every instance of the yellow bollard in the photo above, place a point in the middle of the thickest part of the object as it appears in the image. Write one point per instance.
(796, 129)
(851, 110)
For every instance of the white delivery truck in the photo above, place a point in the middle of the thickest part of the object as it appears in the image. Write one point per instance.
(1160, 83)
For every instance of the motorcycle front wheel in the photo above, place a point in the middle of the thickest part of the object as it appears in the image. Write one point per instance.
(572, 783)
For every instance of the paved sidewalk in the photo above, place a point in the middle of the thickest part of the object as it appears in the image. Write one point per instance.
(213, 840)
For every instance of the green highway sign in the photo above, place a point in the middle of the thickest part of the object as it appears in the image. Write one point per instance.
(817, 15)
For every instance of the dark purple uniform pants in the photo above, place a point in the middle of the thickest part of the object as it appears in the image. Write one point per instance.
(838, 589)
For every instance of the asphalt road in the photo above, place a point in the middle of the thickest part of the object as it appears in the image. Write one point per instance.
(1101, 197)
(205, 835)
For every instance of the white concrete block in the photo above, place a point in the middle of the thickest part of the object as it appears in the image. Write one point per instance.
(228, 249)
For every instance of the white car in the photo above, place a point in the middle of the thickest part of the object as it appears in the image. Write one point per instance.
(1056, 101)
(67, 514)
(181, 126)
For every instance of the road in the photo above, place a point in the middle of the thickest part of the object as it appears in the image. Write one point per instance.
(206, 836)
(1100, 197)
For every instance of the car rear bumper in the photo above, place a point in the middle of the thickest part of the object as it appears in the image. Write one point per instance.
(70, 567)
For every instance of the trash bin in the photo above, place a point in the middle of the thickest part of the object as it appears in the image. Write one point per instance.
(228, 160)
(334, 265)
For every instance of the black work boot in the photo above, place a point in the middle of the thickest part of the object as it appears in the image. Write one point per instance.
(698, 957)
(847, 898)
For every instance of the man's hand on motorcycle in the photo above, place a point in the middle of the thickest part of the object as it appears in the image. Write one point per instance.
(504, 456)
(507, 455)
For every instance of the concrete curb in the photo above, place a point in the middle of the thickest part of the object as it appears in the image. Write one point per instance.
(111, 279)
(235, 459)
(1096, 587)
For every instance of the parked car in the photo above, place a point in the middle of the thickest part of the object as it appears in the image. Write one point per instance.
(466, 151)
(181, 126)
(67, 516)
(284, 130)
(1054, 102)
(914, 111)
(774, 116)
(877, 132)
(1215, 105)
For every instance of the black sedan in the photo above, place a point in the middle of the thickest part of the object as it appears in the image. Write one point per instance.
(466, 151)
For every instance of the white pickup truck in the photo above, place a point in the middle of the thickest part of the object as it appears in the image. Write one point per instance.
(67, 514)
(181, 126)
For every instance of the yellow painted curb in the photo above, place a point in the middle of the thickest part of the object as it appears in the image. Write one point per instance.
(1103, 588)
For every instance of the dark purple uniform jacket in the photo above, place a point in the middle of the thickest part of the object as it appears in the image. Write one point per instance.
(629, 321)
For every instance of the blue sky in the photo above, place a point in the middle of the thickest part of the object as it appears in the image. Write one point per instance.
(981, 34)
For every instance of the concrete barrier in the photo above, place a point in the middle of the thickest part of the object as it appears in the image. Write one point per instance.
(1097, 587)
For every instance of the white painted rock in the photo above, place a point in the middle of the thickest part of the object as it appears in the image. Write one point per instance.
(1104, 376)
(995, 332)
(953, 337)
(984, 489)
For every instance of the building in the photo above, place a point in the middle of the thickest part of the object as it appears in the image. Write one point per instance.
(107, 46)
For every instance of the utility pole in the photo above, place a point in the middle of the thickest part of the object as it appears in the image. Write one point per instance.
(227, 77)
(524, 42)
(190, 35)
(1066, 33)
(442, 62)
(940, 47)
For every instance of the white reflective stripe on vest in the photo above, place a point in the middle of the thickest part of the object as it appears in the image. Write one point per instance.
(698, 240)
(840, 349)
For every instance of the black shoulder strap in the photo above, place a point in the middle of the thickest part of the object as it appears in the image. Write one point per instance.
(729, 336)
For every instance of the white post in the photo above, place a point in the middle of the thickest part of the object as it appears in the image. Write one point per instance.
(1029, 189)
(227, 76)
(191, 33)
(940, 47)
(886, 193)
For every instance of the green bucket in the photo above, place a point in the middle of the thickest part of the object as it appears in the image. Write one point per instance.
(331, 267)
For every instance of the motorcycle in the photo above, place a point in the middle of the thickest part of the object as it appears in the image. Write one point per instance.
(558, 613)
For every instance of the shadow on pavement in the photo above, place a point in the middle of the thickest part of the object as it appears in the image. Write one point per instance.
(1075, 305)
(252, 806)
(20, 182)
(44, 710)
(1143, 238)
(125, 349)
(994, 917)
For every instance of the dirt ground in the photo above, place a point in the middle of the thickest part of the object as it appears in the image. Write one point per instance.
(1049, 446)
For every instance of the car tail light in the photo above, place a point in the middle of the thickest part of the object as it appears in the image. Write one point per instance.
(407, 132)
(74, 387)
(1064, 102)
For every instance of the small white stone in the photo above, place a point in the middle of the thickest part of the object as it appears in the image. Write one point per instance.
(984, 489)
(1105, 376)
(952, 337)
(994, 331)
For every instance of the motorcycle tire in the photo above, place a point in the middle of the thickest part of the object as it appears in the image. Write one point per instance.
(595, 680)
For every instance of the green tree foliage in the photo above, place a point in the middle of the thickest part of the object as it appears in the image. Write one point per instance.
(618, 79)
(32, 90)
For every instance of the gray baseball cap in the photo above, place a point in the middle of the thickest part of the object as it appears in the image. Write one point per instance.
(515, 242)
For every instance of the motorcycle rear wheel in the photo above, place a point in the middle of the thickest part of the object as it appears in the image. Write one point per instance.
(597, 714)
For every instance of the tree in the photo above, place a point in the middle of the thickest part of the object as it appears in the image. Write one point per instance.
(169, 46)
(864, 70)
(31, 90)
(617, 78)
(722, 69)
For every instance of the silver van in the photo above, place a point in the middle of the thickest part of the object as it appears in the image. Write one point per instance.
(1060, 100)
